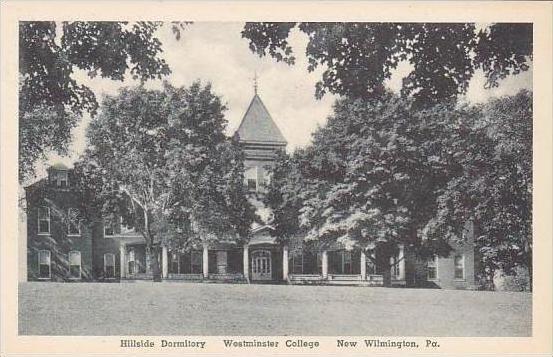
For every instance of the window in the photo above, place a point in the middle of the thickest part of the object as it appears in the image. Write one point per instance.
(74, 265)
(251, 179)
(108, 229)
(186, 263)
(61, 179)
(109, 265)
(432, 268)
(346, 262)
(43, 220)
(73, 228)
(459, 261)
(44, 264)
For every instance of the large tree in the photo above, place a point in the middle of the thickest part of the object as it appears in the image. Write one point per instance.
(358, 57)
(161, 160)
(383, 173)
(494, 189)
(371, 177)
(51, 99)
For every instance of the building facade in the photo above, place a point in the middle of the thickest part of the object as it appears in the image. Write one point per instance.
(60, 247)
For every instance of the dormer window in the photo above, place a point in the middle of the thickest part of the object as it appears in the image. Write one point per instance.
(59, 175)
(59, 178)
(62, 180)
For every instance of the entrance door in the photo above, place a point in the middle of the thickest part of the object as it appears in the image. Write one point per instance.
(261, 265)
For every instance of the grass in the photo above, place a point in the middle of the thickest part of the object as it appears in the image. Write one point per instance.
(231, 309)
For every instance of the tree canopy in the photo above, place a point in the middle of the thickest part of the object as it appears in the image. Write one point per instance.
(385, 172)
(162, 161)
(358, 57)
(50, 98)
(494, 189)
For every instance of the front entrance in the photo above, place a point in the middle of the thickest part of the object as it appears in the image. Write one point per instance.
(261, 265)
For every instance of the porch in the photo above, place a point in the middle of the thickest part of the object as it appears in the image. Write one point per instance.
(261, 261)
(341, 267)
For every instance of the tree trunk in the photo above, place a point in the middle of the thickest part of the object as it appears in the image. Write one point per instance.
(154, 264)
(152, 257)
(490, 277)
(151, 250)
(530, 268)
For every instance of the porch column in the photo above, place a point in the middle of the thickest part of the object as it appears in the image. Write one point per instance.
(324, 259)
(285, 262)
(246, 262)
(205, 261)
(401, 261)
(122, 261)
(164, 262)
(363, 265)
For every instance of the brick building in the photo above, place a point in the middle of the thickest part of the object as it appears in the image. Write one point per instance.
(62, 248)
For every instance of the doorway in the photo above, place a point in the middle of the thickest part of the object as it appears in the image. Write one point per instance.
(261, 265)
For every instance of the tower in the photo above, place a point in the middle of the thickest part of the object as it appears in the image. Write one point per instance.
(260, 139)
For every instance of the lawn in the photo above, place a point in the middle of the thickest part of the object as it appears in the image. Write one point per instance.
(234, 309)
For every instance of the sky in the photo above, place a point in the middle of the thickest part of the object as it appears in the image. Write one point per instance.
(216, 53)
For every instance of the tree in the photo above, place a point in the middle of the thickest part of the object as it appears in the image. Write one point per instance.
(372, 177)
(494, 189)
(358, 57)
(161, 160)
(49, 94)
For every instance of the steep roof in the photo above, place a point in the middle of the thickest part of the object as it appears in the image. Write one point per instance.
(258, 126)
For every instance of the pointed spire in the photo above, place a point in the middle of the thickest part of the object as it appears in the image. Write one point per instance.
(255, 82)
(258, 126)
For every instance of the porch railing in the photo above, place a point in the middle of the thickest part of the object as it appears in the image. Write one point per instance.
(377, 280)
(174, 276)
(344, 277)
(226, 276)
(305, 277)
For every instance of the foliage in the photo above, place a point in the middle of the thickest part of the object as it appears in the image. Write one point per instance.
(383, 173)
(49, 55)
(494, 189)
(358, 57)
(371, 176)
(162, 161)
(517, 280)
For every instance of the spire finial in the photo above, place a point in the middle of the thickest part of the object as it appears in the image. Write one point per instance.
(255, 82)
